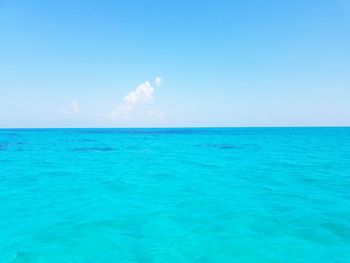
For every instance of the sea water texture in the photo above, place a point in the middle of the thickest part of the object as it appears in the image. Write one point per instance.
(175, 195)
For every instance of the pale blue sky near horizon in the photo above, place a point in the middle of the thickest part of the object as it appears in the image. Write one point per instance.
(162, 63)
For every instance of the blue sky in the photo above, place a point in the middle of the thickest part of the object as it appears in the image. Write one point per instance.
(174, 63)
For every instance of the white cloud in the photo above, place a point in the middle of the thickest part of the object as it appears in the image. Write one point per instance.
(143, 93)
(73, 107)
(136, 101)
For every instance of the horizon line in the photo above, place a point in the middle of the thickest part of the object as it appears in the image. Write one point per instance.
(172, 127)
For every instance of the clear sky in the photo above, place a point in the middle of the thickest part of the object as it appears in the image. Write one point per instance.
(128, 63)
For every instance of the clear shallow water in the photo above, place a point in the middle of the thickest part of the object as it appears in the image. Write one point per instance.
(175, 195)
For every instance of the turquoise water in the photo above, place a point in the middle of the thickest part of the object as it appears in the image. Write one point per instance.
(175, 195)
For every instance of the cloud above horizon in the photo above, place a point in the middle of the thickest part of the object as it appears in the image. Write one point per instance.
(158, 81)
(136, 104)
(73, 107)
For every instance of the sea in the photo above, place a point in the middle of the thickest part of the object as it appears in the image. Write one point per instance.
(175, 195)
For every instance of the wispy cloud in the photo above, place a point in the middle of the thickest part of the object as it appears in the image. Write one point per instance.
(73, 107)
(155, 114)
(158, 81)
(137, 102)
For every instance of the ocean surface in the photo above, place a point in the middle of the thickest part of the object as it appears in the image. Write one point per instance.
(175, 195)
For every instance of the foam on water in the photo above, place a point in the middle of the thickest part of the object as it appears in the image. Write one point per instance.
(175, 195)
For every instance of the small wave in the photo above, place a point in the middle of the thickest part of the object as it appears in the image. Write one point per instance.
(223, 146)
(94, 149)
(6, 145)
(3, 146)
(80, 140)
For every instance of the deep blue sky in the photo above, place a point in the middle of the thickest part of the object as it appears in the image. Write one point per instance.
(221, 63)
